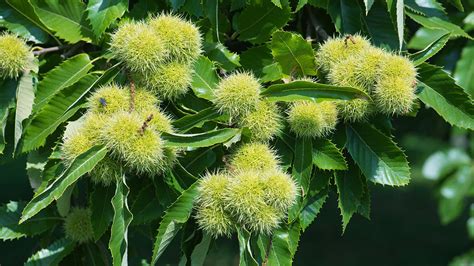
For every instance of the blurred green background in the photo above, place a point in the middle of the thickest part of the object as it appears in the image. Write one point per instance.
(404, 228)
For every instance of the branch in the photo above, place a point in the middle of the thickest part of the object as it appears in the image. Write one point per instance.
(132, 92)
(48, 50)
(317, 25)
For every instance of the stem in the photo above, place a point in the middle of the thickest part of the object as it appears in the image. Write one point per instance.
(47, 50)
(317, 25)
(145, 124)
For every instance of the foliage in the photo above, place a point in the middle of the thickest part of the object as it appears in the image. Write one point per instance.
(194, 83)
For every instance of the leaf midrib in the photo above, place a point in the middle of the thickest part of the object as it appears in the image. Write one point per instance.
(292, 54)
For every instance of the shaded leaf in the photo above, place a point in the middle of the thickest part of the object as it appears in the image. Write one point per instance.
(53, 254)
(346, 15)
(80, 166)
(377, 155)
(118, 243)
(187, 122)
(219, 53)
(176, 215)
(311, 207)
(101, 209)
(270, 19)
(350, 190)
(464, 73)
(245, 249)
(452, 194)
(205, 139)
(7, 101)
(25, 96)
(442, 163)
(437, 23)
(448, 99)
(303, 163)
(306, 90)
(277, 247)
(259, 60)
(10, 215)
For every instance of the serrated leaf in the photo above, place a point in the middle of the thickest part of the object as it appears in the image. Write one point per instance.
(204, 78)
(176, 215)
(464, 73)
(350, 190)
(303, 163)
(293, 53)
(245, 251)
(380, 27)
(277, 247)
(54, 113)
(80, 166)
(19, 17)
(260, 61)
(307, 90)
(188, 122)
(198, 140)
(457, 4)
(427, 8)
(53, 254)
(61, 77)
(25, 96)
(270, 19)
(327, 156)
(101, 209)
(10, 215)
(421, 56)
(217, 52)
(7, 101)
(66, 19)
(437, 23)
(118, 243)
(440, 92)
(311, 207)
(377, 155)
(101, 13)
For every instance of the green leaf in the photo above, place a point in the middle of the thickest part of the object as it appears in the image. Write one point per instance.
(7, 101)
(102, 210)
(204, 78)
(259, 60)
(277, 247)
(470, 222)
(53, 254)
(424, 37)
(377, 155)
(368, 5)
(80, 166)
(311, 207)
(430, 50)
(205, 139)
(25, 96)
(293, 53)
(61, 77)
(437, 23)
(327, 156)
(188, 122)
(146, 206)
(442, 163)
(306, 90)
(448, 99)
(219, 53)
(269, 19)
(350, 190)
(66, 19)
(54, 113)
(453, 193)
(303, 163)
(380, 27)
(457, 4)
(10, 215)
(245, 249)
(118, 243)
(427, 8)
(464, 73)
(19, 17)
(400, 8)
(101, 13)
(195, 248)
(176, 215)
(346, 15)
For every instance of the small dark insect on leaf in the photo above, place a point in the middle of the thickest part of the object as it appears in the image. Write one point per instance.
(103, 102)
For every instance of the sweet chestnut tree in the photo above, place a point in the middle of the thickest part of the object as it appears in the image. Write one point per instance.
(192, 120)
